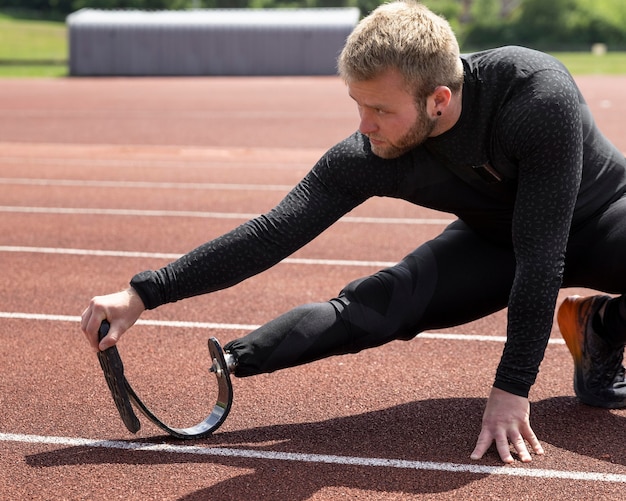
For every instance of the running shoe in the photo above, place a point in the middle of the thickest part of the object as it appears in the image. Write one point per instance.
(598, 367)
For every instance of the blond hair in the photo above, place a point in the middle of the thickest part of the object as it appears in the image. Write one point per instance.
(407, 36)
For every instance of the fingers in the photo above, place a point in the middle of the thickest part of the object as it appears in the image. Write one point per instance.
(503, 446)
(121, 309)
(91, 319)
(91, 322)
(485, 439)
(506, 422)
(520, 447)
(482, 444)
(110, 335)
(527, 436)
(533, 441)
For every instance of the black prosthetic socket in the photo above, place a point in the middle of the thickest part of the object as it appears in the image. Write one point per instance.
(302, 335)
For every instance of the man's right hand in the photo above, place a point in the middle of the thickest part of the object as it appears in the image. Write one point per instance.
(121, 309)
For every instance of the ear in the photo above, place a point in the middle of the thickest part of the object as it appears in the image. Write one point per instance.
(438, 101)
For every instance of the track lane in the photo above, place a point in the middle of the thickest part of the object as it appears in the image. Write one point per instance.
(416, 401)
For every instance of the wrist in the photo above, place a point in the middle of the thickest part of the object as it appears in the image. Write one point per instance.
(135, 302)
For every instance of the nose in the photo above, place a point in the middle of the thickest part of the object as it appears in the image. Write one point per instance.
(368, 124)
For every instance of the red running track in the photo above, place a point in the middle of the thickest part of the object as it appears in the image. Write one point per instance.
(101, 178)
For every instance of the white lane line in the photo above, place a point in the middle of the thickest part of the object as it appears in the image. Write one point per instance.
(96, 114)
(159, 323)
(172, 256)
(86, 211)
(144, 184)
(243, 327)
(202, 163)
(88, 252)
(371, 462)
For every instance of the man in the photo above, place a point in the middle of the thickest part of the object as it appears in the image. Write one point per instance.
(502, 139)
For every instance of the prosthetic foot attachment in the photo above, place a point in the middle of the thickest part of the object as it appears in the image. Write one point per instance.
(123, 394)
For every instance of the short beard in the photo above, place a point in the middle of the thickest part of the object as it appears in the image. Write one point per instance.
(416, 135)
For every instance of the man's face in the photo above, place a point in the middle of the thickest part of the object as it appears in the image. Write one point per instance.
(390, 118)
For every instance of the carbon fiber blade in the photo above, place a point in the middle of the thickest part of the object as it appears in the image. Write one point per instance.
(113, 369)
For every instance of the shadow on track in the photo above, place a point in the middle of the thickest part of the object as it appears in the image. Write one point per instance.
(442, 430)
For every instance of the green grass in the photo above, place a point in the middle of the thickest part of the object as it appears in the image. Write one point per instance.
(32, 48)
(38, 48)
(585, 63)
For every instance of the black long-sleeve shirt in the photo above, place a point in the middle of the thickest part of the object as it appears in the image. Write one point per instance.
(524, 165)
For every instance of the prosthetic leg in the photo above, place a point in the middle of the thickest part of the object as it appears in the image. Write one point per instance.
(123, 394)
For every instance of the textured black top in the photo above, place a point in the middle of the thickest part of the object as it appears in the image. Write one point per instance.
(524, 159)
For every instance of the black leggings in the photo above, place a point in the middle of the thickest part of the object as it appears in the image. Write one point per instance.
(450, 280)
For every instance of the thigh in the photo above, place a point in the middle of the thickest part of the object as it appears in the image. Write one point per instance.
(474, 278)
(452, 279)
(596, 254)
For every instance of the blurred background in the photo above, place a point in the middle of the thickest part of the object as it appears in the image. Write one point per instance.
(33, 33)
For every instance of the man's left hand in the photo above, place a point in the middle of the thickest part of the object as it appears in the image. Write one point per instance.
(507, 420)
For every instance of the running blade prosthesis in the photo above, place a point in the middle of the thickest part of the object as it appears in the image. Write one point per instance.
(123, 394)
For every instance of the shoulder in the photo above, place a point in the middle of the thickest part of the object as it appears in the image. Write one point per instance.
(515, 75)
(511, 63)
(526, 95)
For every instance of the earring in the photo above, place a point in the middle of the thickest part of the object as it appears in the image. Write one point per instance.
(439, 113)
